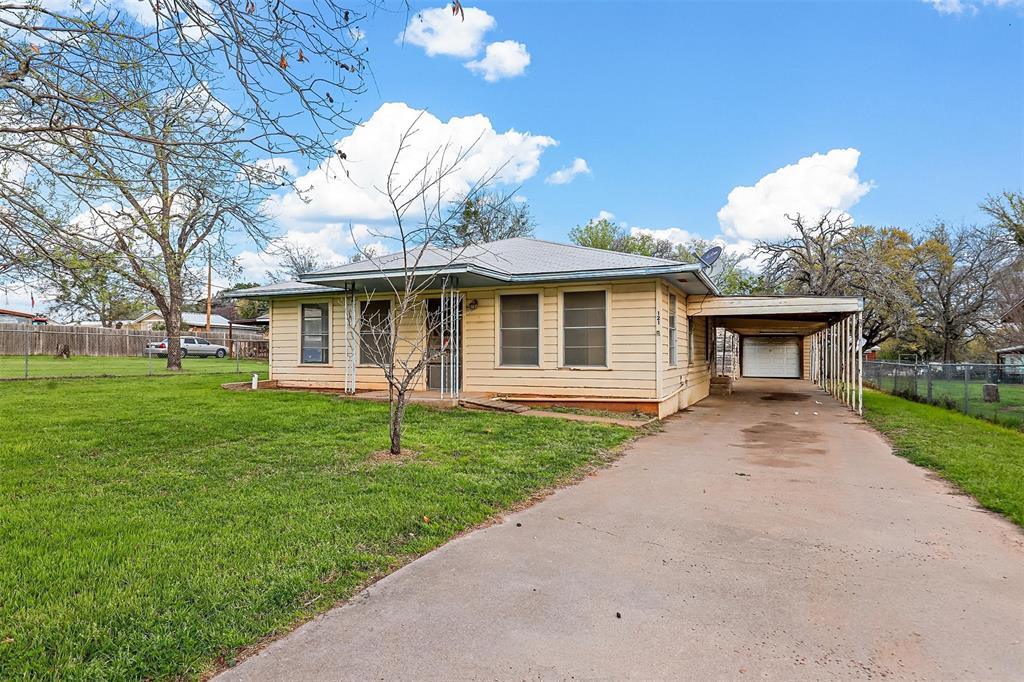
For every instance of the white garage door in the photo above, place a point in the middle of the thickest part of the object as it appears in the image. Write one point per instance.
(771, 356)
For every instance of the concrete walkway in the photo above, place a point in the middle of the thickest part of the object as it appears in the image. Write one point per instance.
(761, 535)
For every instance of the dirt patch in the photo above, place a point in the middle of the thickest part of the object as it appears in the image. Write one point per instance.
(786, 397)
(382, 456)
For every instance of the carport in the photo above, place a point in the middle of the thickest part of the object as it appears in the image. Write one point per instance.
(815, 338)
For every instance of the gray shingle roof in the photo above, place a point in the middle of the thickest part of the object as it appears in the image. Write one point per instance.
(509, 260)
(518, 256)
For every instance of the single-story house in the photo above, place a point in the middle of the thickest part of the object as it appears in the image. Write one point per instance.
(536, 322)
(1011, 362)
(21, 317)
(190, 322)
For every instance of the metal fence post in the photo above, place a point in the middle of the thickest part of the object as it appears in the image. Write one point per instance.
(928, 370)
(967, 401)
(28, 341)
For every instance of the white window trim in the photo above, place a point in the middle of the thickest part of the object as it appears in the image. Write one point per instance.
(673, 329)
(607, 328)
(497, 327)
(330, 332)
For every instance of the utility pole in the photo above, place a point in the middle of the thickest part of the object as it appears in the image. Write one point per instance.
(209, 288)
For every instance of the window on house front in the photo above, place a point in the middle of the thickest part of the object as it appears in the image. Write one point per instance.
(315, 333)
(673, 349)
(520, 327)
(584, 331)
(374, 332)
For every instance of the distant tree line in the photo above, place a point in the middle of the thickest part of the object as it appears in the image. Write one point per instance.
(947, 293)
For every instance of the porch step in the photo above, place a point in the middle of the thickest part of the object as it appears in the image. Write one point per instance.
(492, 404)
(721, 385)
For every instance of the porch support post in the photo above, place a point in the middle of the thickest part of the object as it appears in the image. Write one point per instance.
(351, 341)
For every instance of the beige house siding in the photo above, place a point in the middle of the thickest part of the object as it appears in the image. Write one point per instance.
(638, 367)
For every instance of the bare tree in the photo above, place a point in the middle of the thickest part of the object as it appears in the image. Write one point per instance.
(147, 207)
(417, 329)
(290, 66)
(296, 260)
(829, 256)
(957, 273)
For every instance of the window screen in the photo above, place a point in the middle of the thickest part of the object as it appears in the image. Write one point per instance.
(315, 333)
(583, 329)
(673, 348)
(374, 332)
(520, 326)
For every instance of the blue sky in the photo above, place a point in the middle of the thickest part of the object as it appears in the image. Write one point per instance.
(897, 112)
(672, 105)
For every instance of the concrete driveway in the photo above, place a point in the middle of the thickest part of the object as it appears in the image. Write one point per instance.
(762, 535)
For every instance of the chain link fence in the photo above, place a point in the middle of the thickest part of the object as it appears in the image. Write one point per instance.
(993, 392)
(52, 351)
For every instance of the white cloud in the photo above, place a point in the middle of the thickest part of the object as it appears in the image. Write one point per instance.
(279, 164)
(506, 59)
(951, 6)
(811, 186)
(339, 192)
(676, 235)
(438, 31)
(333, 242)
(604, 215)
(564, 176)
(961, 7)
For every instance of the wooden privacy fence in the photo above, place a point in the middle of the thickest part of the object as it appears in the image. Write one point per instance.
(22, 339)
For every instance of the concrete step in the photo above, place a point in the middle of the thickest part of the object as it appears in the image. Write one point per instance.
(492, 404)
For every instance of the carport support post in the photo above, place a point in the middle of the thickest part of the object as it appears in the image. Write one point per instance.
(851, 327)
(860, 363)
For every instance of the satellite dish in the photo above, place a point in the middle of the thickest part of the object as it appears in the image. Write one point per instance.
(710, 256)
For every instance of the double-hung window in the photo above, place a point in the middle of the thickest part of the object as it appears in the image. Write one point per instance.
(315, 333)
(520, 329)
(584, 330)
(374, 332)
(673, 346)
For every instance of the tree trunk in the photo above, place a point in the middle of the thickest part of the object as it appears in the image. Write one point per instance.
(397, 414)
(172, 321)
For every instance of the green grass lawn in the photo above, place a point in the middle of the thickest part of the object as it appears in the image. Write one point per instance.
(1008, 411)
(45, 366)
(152, 528)
(984, 459)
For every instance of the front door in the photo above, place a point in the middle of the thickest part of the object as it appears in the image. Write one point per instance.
(442, 344)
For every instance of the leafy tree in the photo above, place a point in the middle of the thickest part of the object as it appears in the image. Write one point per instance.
(1007, 213)
(93, 288)
(488, 217)
(829, 256)
(599, 234)
(957, 273)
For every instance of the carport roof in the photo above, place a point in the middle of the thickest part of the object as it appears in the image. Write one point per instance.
(754, 315)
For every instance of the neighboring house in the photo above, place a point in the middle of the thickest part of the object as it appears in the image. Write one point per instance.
(544, 323)
(190, 322)
(1011, 361)
(19, 317)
